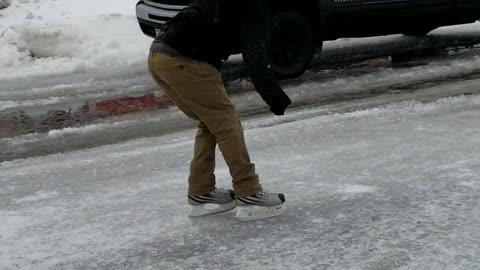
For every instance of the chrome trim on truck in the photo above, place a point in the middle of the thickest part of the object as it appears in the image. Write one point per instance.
(171, 7)
(145, 12)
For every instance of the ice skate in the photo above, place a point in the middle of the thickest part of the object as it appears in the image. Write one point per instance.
(218, 201)
(260, 205)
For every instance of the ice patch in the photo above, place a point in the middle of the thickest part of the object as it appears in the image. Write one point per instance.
(38, 196)
(76, 130)
(470, 184)
(89, 129)
(11, 222)
(321, 221)
(355, 189)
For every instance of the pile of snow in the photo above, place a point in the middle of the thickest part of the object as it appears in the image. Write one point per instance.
(45, 36)
(4, 3)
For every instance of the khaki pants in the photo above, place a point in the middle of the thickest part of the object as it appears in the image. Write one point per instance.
(198, 91)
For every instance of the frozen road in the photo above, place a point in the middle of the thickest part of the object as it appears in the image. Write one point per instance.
(379, 161)
(394, 187)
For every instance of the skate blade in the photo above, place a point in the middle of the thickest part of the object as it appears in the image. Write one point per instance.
(252, 212)
(210, 209)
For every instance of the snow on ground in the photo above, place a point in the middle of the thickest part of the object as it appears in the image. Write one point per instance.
(41, 37)
(392, 187)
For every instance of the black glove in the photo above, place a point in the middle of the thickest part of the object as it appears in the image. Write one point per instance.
(279, 103)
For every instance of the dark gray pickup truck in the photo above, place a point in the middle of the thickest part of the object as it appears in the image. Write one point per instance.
(300, 28)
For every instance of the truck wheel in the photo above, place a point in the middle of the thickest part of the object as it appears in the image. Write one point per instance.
(291, 46)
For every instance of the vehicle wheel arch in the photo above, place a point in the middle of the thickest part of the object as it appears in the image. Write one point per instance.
(311, 10)
(308, 15)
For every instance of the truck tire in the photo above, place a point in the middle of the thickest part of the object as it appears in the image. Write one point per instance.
(291, 46)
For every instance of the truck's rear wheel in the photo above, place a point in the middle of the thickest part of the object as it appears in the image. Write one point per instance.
(292, 45)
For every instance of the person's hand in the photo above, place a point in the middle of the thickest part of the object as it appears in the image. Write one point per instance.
(278, 104)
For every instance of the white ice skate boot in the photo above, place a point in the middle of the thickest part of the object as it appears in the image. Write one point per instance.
(218, 201)
(260, 205)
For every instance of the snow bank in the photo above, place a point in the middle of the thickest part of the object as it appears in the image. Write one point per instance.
(43, 37)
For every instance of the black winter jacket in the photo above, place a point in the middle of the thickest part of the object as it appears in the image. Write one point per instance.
(211, 30)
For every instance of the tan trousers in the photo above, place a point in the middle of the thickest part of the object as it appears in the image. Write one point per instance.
(197, 90)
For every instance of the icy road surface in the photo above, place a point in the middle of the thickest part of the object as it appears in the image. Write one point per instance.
(393, 187)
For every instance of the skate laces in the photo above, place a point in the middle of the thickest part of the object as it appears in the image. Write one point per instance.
(222, 191)
(267, 193)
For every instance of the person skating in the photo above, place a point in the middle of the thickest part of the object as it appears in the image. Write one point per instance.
(184, 60)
